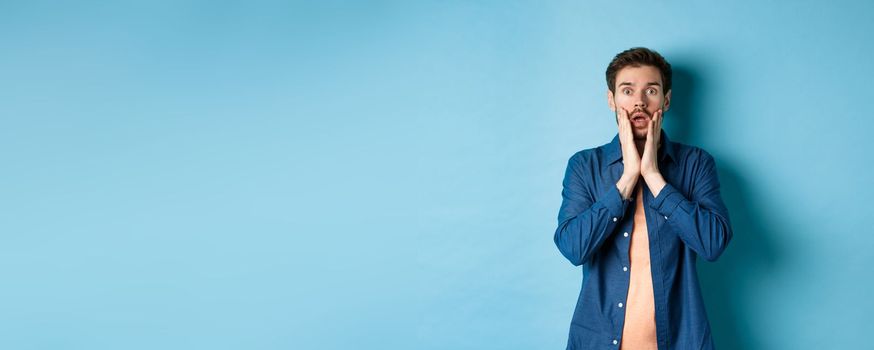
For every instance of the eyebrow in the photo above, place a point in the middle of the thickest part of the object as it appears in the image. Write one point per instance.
(647, 84)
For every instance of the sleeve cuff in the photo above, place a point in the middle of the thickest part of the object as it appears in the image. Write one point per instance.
(667, 201)
(613, 202)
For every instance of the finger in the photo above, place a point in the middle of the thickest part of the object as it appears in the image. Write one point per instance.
(618, 120)
(648, 133)
(623, 118)
(621, 123)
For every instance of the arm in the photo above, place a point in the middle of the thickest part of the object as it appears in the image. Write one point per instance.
(585, 222)
(702, 223)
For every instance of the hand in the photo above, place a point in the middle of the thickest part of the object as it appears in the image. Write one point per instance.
(630, 156)
(649, 164)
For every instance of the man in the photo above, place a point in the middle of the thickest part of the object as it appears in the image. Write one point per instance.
(637, 213)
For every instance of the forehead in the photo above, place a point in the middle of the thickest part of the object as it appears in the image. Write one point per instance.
(639, 75)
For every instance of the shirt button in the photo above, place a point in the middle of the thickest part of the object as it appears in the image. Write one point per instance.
(625, 268)
(625, 234)
(665, 218)
(620, 304)
(614, 218)
(615, 342)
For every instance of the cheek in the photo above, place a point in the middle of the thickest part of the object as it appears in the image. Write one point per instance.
(656, 102)
(622, 100)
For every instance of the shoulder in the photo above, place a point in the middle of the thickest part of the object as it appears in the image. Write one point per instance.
(590, 155)
(691, 155)
(695, 162)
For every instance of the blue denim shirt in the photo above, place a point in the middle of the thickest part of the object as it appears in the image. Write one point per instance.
(687, 220)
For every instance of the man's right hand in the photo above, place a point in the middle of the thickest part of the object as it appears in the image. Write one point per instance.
(630, 156)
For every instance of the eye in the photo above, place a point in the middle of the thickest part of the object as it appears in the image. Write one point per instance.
(651, 91)
(626, 91)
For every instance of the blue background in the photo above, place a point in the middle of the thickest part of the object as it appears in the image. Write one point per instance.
(387, 175)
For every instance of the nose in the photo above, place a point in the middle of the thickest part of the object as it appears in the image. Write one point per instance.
(640, 103)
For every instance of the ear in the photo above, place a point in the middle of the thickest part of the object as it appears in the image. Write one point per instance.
(610, 101)
(667, 101)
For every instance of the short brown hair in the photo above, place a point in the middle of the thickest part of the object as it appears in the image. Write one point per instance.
(636, 57)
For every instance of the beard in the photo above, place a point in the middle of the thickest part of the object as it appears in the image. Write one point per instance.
(639, 134)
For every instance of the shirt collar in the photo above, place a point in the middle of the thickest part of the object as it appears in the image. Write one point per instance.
(613, 150)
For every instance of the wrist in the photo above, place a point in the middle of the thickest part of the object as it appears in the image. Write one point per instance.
(649, 172)
(655, 182)
(630, 176)
(626, 184)
(650, 176)
(631, 172)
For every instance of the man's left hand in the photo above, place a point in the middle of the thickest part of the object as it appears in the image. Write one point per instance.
(649, 165)
(648, 161)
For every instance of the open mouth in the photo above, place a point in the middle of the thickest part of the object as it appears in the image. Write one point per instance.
(639, 117)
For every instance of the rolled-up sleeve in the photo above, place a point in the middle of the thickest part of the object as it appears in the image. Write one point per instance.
(585, 222)
(701, 221)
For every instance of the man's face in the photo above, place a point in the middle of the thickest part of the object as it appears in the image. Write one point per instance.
(640, 91)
